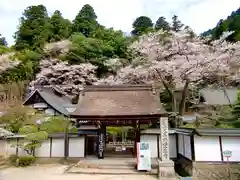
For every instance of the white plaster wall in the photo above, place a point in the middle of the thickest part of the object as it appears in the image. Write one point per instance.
(207, 148)
(77, 146)
(3, 147)
(44, 150)
(187, 147)
(50, 111)
(57, 147)
(152, 140)
(180, 144)
(40, 105)
(9, 149)
(231, 144)
(172, 146)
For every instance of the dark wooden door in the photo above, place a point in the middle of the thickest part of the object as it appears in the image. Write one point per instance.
(90, 145)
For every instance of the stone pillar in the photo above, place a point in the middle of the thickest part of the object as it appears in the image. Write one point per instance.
(164, 139)
(165, 165)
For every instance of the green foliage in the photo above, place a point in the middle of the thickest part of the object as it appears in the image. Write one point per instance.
(85, 22)
(13, 159)
(236, 107)
(60, 28)
(17, 117)
(4, 49)
(105, 43)
(21, 161)
(3, 41)
(32, 138)
(116, 130)
(25, 70)
(56, 124)
(91, 42)
(176, 24)
(113, 39)
(142, 25)
(85, 49)
(161, 23)
(232, 23)
(24, 161)
(34, 29)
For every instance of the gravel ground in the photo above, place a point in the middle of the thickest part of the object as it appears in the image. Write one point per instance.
(55, 172)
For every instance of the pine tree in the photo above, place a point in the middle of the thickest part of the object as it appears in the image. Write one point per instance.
(86, 21)
(176, 24)
(161, 23)
(34, 28)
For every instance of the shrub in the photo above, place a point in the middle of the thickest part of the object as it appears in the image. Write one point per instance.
(26, 160)
(12, 159)
(22, 160)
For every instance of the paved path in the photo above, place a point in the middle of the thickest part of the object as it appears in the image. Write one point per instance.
(55, 172)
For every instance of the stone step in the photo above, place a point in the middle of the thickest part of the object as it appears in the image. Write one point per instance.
(2, 163)
(77, 170)
(108, 166)
(95, 166)
(4, 166)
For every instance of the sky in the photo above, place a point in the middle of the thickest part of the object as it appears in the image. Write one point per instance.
(200, 15)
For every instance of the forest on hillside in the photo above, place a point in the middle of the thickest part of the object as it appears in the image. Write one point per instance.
(231, 23)
(84, 41)
(55, 51)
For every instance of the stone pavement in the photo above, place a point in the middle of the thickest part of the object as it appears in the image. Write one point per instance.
(55, 172)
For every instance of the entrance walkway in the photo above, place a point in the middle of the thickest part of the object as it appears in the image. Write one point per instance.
(110, 165)
(55, 172)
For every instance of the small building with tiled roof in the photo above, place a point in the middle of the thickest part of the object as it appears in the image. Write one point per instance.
(50, 101)
(219, 96)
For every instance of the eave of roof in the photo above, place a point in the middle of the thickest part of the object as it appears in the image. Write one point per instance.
(209, 131)
(47, 98)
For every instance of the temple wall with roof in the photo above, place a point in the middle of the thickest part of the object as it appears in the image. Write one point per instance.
(153, 137)
(53, 147)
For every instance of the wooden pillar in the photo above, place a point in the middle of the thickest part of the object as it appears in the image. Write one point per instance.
(101, 141)
(66, 141)
(137, 132)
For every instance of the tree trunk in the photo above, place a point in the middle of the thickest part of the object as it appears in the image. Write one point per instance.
(183, 103)
(183, 99)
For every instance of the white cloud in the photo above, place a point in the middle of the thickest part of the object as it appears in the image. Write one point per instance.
(198, 14)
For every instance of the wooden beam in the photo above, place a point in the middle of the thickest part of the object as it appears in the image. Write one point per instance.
(192, 147)
(221, 149)
(50, 147)
(158, 147)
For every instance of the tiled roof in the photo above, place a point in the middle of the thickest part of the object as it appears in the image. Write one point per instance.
(118, 100)
(5, 133)
(59, 103)
(209, 131)
(219, 97)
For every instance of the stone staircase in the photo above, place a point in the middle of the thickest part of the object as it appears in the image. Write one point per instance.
(108, 166)
(3, 163)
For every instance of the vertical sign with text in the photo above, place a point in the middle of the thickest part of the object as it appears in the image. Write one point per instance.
(101, 145)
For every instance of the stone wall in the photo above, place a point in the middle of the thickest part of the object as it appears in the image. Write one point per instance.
(183, 166)
(207, 171)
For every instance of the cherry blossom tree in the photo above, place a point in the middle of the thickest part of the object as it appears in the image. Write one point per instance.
(72, 77)
(180, 60)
